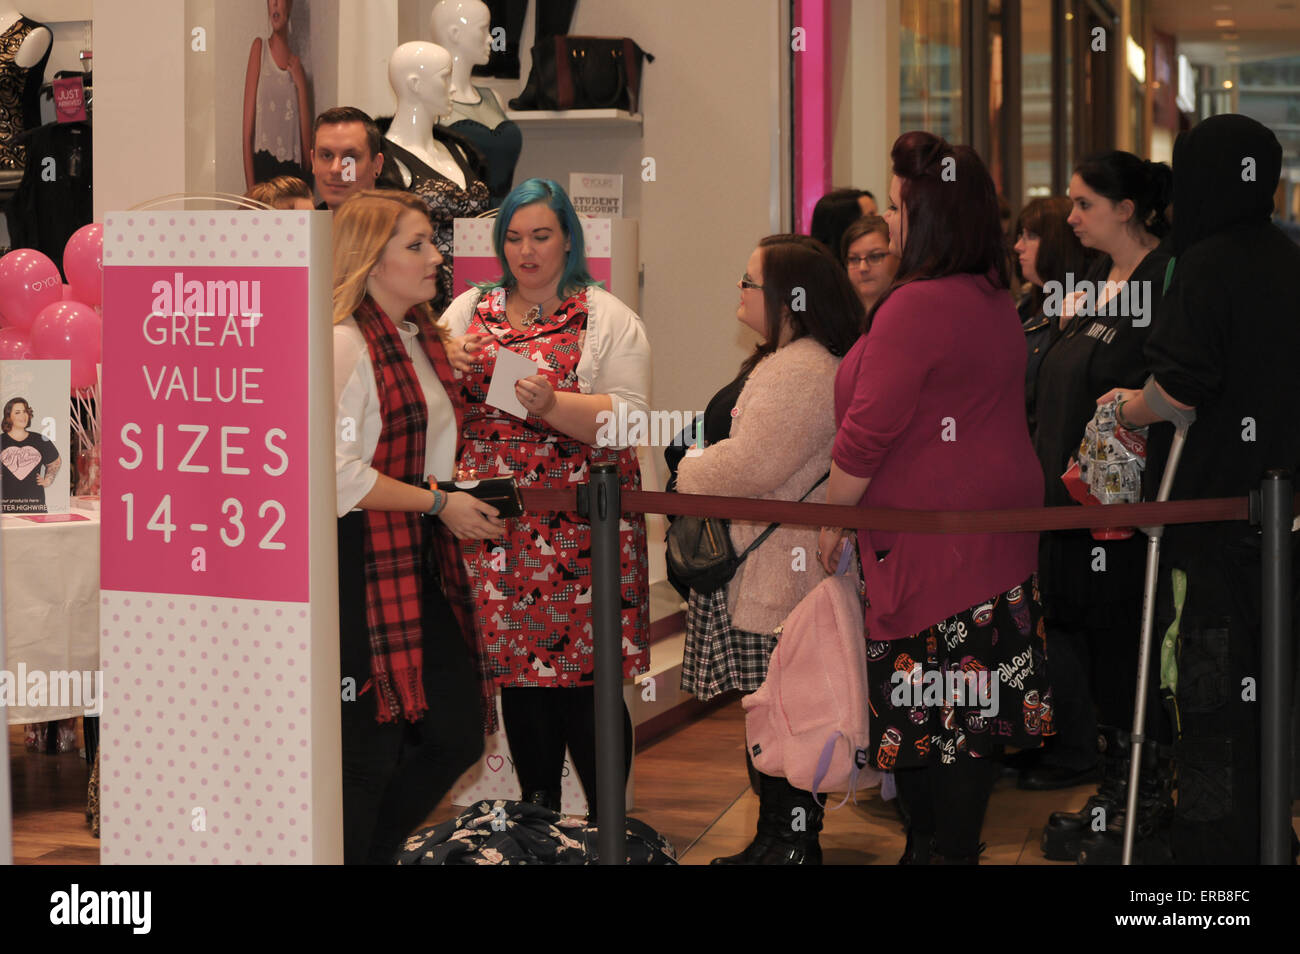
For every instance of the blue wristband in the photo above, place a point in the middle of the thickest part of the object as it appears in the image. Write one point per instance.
(439, 502)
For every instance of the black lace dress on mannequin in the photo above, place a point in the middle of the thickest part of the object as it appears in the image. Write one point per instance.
(447, 201)
(20, 106)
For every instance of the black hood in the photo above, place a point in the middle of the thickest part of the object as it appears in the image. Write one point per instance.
(1210, 194)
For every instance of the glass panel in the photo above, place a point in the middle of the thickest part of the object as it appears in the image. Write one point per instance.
(1269, 91)
(1036, 96)
(929, 89)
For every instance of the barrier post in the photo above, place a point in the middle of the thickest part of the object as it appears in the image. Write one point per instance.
(606, 603)
(1276, 670)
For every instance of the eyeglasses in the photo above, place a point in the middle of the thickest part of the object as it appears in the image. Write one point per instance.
(871, 260)
(747, 282)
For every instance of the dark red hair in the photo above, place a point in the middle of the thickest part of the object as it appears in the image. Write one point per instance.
(954, 225)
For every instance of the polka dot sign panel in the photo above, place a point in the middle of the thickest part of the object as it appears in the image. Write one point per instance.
(205, 238)
(206, 736)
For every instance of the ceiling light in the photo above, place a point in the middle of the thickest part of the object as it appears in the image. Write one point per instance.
(1225, 24)
(1227, 84)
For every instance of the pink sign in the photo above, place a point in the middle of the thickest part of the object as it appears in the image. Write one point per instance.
(476, 261)
(205, 423)
(69, 100)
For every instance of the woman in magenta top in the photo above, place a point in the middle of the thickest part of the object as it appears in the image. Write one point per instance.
(931, 412)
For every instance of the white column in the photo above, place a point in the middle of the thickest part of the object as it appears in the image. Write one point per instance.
(866, 111)
(139, 101)
(369, 34)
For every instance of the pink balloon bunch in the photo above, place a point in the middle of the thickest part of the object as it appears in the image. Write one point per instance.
(47, 319)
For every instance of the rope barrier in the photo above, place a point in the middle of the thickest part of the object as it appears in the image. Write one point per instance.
(1026, 519)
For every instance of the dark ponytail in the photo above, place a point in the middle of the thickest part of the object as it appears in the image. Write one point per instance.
(1121, 175)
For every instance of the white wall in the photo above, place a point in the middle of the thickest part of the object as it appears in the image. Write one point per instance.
(709, 122)
(140, 50)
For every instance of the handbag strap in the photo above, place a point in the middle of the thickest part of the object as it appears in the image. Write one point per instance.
(771, 527)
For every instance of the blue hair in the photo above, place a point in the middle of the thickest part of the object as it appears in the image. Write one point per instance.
(529, 192)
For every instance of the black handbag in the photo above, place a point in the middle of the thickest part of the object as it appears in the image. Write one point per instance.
(584, 72)
(700, 554)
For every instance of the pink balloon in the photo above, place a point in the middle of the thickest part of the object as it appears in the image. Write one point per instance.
(67, 293)
(29, 282)
(83, 263)
(14, 345)
(69, 330)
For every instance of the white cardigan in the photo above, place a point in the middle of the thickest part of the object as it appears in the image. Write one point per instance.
(615, 352)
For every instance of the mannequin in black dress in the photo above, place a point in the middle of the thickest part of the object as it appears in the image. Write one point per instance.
(437, 165)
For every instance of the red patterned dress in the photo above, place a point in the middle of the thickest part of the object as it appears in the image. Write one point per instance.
(532, 588)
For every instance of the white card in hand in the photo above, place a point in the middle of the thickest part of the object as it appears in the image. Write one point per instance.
(510, 367)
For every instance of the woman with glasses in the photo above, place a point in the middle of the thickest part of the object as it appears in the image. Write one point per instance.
(769, 435)
(866, 255)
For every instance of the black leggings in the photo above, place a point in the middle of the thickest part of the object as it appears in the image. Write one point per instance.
(540, 722)
(395, 773)
(948, 802)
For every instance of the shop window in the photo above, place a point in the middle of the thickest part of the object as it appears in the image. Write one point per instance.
(929, 90)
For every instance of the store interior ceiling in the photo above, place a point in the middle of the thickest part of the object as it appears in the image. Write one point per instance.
(1218, 34)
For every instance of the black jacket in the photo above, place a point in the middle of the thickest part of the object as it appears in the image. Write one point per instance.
(1228, 338)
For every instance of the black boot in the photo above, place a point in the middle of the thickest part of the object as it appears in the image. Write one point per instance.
(799, 823)
(919, 849)
(974, 859)
(1066, 830)
(769, 821)
(1155, 807)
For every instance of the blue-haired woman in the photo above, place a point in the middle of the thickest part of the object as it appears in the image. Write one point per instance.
(532, 587)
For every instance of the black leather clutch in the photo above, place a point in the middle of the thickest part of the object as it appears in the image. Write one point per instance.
(500, 492)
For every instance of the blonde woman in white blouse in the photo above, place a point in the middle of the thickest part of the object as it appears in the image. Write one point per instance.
(532, 587)
(411, 704)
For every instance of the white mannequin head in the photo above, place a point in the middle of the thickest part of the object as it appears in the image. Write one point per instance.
(420, 74)
(463, 28)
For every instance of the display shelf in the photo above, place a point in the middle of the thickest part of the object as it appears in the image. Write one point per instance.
(574, 117)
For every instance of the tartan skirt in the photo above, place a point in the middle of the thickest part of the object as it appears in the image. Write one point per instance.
(718, 657)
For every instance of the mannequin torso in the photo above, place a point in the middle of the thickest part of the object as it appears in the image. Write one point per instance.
(24, 50)
(34, 46)
(425, 148)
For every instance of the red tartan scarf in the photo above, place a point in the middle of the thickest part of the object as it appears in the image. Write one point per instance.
(395, 540)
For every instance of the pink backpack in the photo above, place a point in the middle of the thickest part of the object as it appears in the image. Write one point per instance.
(808, 722)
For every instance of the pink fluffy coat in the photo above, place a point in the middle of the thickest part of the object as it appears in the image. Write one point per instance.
(780, 444)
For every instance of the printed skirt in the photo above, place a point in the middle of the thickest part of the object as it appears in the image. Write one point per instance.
(965, 686)
(717, 656)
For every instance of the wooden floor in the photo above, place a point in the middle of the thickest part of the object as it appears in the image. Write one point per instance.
(691, 786)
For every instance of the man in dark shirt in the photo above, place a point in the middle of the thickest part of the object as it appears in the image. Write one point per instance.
(345, 154)
(1225, 355)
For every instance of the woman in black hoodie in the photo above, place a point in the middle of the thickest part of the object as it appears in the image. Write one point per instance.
(1225, 354)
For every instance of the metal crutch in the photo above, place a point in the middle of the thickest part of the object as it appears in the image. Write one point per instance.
(1138, 736)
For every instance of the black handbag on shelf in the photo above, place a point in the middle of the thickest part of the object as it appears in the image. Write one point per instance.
(700, 553)
(584, 72)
